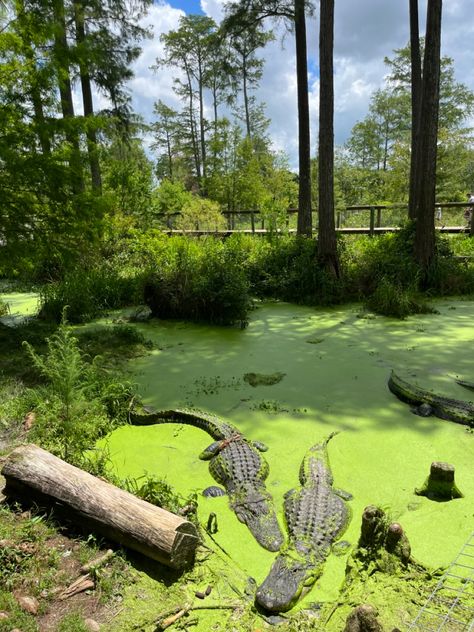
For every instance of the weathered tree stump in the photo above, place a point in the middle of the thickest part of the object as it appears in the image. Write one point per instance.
(383, 545)
(363, 619)
(33, 474)
(440, 484)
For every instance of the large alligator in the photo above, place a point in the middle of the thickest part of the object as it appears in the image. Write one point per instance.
(316, 516)
(234, 462)
(427, 403)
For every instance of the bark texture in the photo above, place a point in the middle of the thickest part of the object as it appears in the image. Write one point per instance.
(426, 172)
(416, 91)
(327, 243)
(304, 142)
(32, 473)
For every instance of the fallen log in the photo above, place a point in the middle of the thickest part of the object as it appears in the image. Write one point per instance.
(428, 403)
(32, 473)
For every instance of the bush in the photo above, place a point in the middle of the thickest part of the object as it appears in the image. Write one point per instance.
(391, 299)
(87, 293)
(80, 400)
(200, 281)
(287, 268)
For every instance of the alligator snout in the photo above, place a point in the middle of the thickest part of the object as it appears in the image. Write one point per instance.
(282, 587)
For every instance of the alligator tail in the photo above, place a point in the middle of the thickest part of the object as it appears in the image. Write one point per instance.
(216, 428)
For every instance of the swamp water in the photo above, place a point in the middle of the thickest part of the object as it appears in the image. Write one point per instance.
(336, 366)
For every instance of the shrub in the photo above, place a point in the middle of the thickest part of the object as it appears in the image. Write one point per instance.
(79, 402)
(87, 293)
(391, 299)
(287, 268)
(201, 281)
(4, 308)
(200, 214)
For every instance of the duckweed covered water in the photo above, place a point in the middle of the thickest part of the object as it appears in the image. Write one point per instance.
(21, 305)
(336, 366)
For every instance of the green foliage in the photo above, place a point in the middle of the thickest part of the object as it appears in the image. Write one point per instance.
(200, 214)
(158, 492)
(81, 400)
(25, 552)
(286, 268)
(387, 257)
(128, 181)
(171, 196)
(72, 622)
(201, 281)
(375, 166)
(4, 308)
(88, 292)
(392, 299)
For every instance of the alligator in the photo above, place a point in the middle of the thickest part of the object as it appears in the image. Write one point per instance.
(466, 384)
(426, 403)
(316, 516)
(234, 462)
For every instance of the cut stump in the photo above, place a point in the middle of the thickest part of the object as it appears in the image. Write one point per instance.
(33, 474)
(440, 484)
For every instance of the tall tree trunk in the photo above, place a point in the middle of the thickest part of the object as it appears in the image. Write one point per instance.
(170, 155)
(192, 126)
(61, 54)
(424, 250)
(327, 243)
(201, 124)
(92, 145)
(246, 96)
(304, 143)
(416, 90)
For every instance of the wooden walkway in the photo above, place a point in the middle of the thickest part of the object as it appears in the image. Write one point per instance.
(376, 230)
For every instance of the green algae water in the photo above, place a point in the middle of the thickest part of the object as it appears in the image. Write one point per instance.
(21, 305)
(336, 366)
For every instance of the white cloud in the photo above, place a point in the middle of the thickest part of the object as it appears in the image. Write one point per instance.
(365, 32)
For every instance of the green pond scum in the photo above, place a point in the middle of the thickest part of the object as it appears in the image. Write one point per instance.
(381, 454)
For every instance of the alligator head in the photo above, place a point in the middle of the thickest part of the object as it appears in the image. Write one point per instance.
(254, 507)
(289, 578)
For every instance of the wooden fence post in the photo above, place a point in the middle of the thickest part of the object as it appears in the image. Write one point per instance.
(372, 221)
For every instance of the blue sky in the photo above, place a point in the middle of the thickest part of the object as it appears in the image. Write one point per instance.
(365, 32)
(188, 6)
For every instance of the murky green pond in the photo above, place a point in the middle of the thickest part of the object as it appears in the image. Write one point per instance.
(336, 368)
(21, 305)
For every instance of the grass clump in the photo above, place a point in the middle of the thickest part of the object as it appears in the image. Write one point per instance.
(24, 551)
(4, 308)
(158, 492)
(392, 299)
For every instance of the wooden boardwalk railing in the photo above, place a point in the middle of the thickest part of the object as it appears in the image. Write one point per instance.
(253, 222)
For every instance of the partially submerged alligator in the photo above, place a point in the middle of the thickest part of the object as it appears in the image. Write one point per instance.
(427, 403)
(316, 516)
(234, 462)
(466, 384)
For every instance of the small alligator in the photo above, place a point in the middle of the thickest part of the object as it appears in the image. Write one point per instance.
(316, 516)
(234, 462)
(427, 403)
